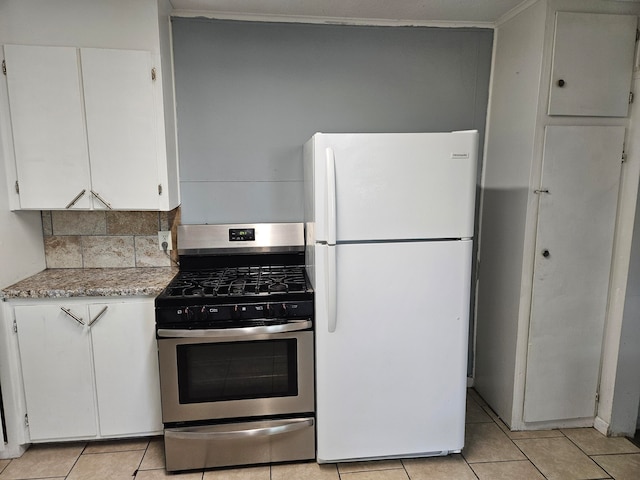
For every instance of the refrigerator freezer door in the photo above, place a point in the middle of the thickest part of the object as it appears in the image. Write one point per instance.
(391, 376)
(391, 186)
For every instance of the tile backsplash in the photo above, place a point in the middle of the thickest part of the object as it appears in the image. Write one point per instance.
(107, 239)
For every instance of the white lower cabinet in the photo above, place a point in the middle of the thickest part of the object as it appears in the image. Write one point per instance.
(90, 369)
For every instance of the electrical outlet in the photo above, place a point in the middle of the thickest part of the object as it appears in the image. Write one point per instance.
(164, 236)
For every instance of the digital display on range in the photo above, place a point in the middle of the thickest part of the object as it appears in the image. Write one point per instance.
(242, 234)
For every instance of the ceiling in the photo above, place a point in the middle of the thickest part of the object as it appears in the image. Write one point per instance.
(374, 11)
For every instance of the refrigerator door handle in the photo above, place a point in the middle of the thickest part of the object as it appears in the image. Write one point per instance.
(331, 196)
(332, 289)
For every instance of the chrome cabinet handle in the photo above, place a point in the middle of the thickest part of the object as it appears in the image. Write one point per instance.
(72, 315)
(186, 433)
(106, 204)
(77, 197)
(97, 317)
(234, 332)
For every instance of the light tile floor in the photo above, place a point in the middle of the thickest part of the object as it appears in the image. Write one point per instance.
(492, 452)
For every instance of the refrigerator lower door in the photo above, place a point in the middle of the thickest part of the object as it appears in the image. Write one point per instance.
(391, 365)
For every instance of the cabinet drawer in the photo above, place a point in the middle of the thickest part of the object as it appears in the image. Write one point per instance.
(240, 443)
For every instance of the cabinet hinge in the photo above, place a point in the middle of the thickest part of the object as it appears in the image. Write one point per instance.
(26, 420)
(159, 189)
(4, 68)
(153, 73)
(15, 326)
(630, 97)
(17, 187)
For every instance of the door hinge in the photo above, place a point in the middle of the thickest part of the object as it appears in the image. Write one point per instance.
(637, 34)
(26, 420)
(630, 97)
(153, 73)
(597, 397)
(17, 187)
(624, 156)
(15, 326)
(4, 68)
(159, 189)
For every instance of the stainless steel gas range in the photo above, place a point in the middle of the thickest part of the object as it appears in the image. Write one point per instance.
(235, 341)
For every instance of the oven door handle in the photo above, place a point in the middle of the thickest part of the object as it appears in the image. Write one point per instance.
(186, 433)
(235, 332)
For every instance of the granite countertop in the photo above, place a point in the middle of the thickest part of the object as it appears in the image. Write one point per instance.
(91, 282)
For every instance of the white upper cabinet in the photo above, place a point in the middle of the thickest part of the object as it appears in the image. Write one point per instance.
(120, 113)
(85, 128)
(592, 64)
(48, 127)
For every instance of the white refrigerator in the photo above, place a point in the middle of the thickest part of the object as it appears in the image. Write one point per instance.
(389, 224)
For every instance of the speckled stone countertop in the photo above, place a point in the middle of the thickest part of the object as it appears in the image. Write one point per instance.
(91, 282)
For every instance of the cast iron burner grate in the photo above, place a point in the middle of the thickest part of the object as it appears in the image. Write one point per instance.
(239, 281)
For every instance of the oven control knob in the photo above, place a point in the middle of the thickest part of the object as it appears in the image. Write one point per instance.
(240, 311)
(277, 310)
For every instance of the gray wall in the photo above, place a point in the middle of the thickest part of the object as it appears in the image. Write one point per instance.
(250, 94)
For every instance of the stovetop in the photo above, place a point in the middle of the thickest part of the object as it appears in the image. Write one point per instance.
(236, 275)
(224, 282)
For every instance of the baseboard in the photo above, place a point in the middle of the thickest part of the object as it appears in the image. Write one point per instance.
(12, 451)
(601, 426)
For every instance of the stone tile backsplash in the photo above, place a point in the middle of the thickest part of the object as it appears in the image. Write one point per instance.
(78, 239)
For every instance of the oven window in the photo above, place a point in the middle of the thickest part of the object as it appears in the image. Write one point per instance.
(213, 372)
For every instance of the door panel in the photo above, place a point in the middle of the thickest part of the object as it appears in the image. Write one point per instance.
(57, 371)
(48, 126)
(574, 244)
(391, 378)
(121, 127)
(396, 186)
(126, 368)
(592, 64)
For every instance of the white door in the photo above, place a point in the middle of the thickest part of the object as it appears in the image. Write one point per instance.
(394, 186)
(47, 120)
(120, 110)
(592, 64)
(126, 368)
(391, 370)
(56, 368)
(574, 244)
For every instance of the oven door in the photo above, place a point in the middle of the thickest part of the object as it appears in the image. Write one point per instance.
(235, 373)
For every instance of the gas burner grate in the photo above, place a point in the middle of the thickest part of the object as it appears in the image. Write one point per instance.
(239, 282)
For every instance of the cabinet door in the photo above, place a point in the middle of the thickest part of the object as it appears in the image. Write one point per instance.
(592, 64)
(126, 368)
(574, 244)
(49, 138)
(56, 368)
(120, 111)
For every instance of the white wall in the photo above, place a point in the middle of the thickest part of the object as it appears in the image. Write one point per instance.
(21, 243)
(620, 379)
(250, 94)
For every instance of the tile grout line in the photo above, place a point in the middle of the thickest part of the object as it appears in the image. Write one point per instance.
(513, 442)
(589, 456)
